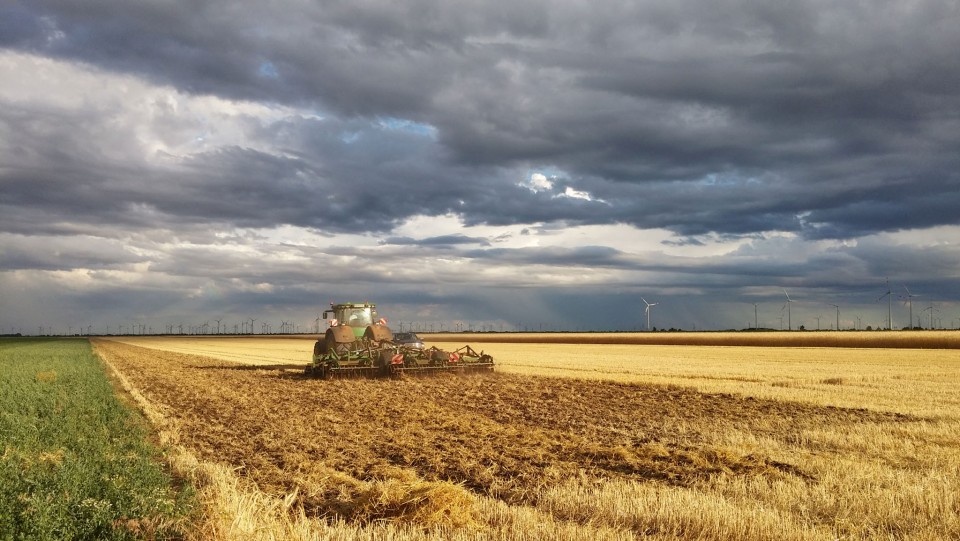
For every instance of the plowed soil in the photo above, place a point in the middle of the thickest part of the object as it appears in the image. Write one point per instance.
(501, 435)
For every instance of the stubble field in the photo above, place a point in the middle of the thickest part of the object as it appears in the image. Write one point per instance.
(662, 442)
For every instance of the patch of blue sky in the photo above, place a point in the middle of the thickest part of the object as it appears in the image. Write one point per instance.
(350, 136)
(550, 172)
(267, 70)
(406, 125)
(722, 179)
(313, 115)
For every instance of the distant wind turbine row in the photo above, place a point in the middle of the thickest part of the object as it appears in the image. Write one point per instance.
(908, 301)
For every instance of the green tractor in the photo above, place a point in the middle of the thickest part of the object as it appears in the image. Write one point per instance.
(354, 321)
(358, 343)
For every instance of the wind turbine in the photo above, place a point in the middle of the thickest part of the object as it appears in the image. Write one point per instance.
(909, 302)
(787, 304)
(889, 296)
(647, 310)
(837, 306)
(931, 308)
(755, 321)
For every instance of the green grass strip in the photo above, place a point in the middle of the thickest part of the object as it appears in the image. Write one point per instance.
(75, 462)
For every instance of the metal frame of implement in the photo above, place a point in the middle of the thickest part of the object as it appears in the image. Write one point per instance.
(367, 358)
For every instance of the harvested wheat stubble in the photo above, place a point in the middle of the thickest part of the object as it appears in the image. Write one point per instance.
(941, 339)
(343, 446)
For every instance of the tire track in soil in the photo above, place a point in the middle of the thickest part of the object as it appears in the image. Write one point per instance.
(502, 435)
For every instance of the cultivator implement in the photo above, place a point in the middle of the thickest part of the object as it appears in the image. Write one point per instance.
(364, 358)
(415, 360)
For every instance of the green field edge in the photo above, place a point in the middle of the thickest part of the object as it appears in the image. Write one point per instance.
(78, 460)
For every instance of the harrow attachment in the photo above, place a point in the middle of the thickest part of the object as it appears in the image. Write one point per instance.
(372, 359)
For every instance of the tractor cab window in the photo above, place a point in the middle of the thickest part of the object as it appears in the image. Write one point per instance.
(358, 317)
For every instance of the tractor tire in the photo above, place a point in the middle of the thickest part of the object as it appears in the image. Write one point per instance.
(378, 333)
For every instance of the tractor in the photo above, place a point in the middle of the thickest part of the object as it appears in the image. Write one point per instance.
(358, 343)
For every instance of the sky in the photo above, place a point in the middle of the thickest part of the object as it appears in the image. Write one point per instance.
(481, 165)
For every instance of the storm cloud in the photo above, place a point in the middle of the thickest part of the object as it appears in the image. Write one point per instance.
(259, 158)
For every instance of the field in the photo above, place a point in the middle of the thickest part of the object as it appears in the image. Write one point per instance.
(888, 379)
(653, 441)
(75, 462)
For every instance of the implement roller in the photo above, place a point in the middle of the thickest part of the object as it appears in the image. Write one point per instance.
(359, 344)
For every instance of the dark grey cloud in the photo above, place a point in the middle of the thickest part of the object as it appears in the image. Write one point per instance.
(20, 252)
(443, 241)
(810, 132)
(801, 101)
(581, 256)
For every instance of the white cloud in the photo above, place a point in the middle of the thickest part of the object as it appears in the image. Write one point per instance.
(538, 182)
(130, 119)
(578, 194)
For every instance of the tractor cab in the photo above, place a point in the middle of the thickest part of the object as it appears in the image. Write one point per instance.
(354, 315)
(360, 317)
